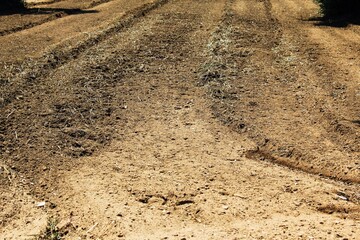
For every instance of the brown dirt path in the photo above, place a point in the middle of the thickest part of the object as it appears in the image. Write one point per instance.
(290, 85)
(33, 42)
(173, 170)
(330, 56)
(39, 13)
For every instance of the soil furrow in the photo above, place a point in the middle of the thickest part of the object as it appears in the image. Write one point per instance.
(44, 10)
(171, 147)
(54, 134)
(260, 88)
(60, 55)
(150, 129)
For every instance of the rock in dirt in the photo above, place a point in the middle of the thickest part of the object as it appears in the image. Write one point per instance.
(183, 202)
(40, 204)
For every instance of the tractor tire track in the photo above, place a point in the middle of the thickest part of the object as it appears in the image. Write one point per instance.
(120, 143)
(271, 87)
(63, 54)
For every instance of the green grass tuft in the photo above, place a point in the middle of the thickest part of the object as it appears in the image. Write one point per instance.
(51, 232)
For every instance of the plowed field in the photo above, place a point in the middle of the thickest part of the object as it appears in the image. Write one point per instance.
(178, 119)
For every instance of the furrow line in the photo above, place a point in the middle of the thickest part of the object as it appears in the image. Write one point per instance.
(52, 17)
(60, 56)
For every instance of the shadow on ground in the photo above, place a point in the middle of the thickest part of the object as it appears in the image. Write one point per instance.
(339, 22)
(35, 11)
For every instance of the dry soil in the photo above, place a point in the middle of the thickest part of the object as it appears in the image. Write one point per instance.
(179, 119)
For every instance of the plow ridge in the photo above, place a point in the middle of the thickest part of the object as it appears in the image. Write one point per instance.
(52, 17)
(235, 53)
(60, 56)
(181, 119)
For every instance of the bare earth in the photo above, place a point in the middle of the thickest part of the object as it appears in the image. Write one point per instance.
(178, 119)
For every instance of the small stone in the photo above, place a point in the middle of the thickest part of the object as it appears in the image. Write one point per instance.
(40, 204)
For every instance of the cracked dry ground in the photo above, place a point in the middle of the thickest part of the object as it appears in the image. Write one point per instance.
(214, 119)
